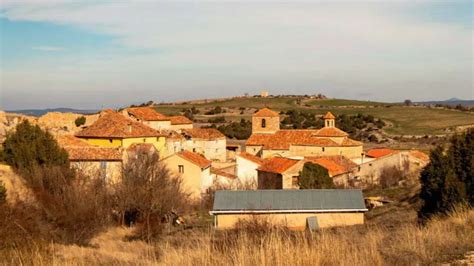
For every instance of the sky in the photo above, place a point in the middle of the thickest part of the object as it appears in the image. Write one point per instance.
(101, 54)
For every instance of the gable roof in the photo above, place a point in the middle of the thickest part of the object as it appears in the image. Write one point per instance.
(80, 150)
(277, 165)
(380, 152)
(329, 115)
(115, 125)
(420, 155)
(284, 201)
(222, 173)
(252, 158)
(265, 112)
(335, 165)
(283, 139)
(146, 114)
(179, 120)
(195, 158)
(203, 133)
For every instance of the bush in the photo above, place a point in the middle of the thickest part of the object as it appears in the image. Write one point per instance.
(219, 119)
(314, 176)
(80, 121)
(391, 176)
(237, 130)
(29, 146)
(148, 190)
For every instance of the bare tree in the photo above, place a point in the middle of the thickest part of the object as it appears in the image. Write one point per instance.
(148, 193)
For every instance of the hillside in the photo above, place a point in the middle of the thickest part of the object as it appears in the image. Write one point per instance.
(403, 120)
(40, 112)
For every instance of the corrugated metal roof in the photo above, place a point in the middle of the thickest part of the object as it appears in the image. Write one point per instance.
(288, 200)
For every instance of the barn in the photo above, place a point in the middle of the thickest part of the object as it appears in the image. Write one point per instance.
(295, 209)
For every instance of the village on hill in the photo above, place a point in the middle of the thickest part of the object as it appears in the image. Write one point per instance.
(270, 159)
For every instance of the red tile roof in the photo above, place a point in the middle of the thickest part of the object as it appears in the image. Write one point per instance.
(379, 152)
(179, 120)
(141, 148)
(251, 158)
(265, 112)
(146, 114)
(335, 165)
(277, 165)
(203, 133)
(329, 115)
(283, 139)
(195, 158)
(115, 125)
(80, 150)
(331, 132)
(220, 172)
(420, 155)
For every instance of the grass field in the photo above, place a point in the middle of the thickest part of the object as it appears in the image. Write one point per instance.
(404, 120)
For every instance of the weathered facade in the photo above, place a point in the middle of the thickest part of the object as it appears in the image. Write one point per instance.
(195, 171)
(208, 142)
(247, 165)
(295, 209)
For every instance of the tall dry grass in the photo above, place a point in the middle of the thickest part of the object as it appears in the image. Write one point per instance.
(444, 239)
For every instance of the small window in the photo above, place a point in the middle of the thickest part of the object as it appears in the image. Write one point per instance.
(110, 140)
(194, 149)
(181, 169)
(323, 149)
(157, 138)
(370, 164)
(264, 123)
(144, 140)
(103, 165)
(294, 181)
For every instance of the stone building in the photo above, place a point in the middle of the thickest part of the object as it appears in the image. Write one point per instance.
(158, 121)
(268, 140)
(209, 142)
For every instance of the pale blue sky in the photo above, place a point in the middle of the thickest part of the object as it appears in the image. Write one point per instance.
(94, 54)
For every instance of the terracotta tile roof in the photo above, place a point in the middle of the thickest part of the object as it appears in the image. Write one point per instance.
(172, 135)
(203, 133)
(335, 165)
(331, 132)
(265, 112)
(141, 147)
(195, 158)
(283, 139)
(219, 172)
(251, 158)
(93, 153)
(147, 114)
(329, 115)
(115, 125)
(379, 152)
(71, 141)
(179, 120)
(80, 150)
(277, 165)
(420, 155)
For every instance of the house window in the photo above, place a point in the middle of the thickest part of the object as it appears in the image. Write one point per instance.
(194, 149)
(264, 123)
(110, 140)
(103, 165)
(323, 149)
(144, 140)
(157, 138)
(181, 169)
(294, 181)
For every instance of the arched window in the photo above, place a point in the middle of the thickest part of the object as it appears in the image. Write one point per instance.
(264, 123)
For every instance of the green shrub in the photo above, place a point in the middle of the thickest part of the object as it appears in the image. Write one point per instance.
(29, 145)
(314, 176)
(80, 121)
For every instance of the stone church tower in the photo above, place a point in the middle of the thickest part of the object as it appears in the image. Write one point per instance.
(329, 120)
(265, 121)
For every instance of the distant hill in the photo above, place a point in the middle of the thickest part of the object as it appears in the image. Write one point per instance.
(40, 112)
(452, 102)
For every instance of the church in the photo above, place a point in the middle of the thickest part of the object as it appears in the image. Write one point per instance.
(268, 140)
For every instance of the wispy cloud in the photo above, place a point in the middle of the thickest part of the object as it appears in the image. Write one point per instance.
(48, 48)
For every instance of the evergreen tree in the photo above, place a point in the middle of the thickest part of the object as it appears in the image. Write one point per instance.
(314, 176)
(448, 179)
(29, 146)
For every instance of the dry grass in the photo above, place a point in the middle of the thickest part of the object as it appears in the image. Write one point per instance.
(444, 239)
